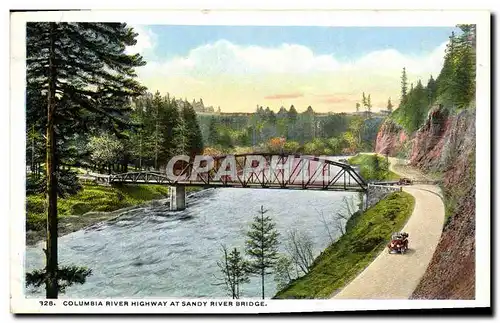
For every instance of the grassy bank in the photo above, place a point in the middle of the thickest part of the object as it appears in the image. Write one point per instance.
(93, 198)
(373, 167)
(366, 235)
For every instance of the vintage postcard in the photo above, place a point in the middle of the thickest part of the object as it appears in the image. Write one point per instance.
(205, 161)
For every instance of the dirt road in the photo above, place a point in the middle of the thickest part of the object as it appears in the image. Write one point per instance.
(395, 276)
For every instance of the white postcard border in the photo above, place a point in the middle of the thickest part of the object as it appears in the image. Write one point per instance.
(197, 17)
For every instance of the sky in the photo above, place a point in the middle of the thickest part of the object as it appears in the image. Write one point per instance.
(241, 67)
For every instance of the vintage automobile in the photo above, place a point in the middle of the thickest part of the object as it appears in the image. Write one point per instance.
(404, 181)
(399, 243)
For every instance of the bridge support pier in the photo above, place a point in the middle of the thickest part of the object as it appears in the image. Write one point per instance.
(177, 197)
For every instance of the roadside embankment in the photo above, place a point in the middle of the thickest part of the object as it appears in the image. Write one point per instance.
(373, 167)
(366, 236)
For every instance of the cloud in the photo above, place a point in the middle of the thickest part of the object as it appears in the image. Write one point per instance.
(224, 57)
(391, 59)
(238, 77)
(284, 96)
(146, 41)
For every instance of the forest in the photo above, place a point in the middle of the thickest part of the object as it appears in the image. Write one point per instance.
(453, 89)
(288, 131)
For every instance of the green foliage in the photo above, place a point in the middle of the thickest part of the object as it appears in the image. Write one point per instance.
(366, 244)
(291, 147)
(283, 271)
(67, 183)
(105, 149)
(66, 276)
(167, 127)
(412, 112)
(235, 271)
(454, 88)
(194, 140)
(369, 133)
(366, 234)
(262, 245)
(373, 167)
(94, 79)
(389, 105)
(310, 132)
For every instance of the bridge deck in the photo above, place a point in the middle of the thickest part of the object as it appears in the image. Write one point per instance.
(353, 188)
(304, 173)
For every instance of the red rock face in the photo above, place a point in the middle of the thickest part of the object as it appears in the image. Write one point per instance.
(390, 139)
(430, 139)
(449, 147)
(451, 273)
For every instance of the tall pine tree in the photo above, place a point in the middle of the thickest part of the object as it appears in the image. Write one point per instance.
(389, 105)
(262, 246)
(404, 86)
(86, 64)
(193, 132)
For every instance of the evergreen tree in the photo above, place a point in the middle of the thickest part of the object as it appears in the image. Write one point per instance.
(445, 79)
(170, 117)
(158, 105)
(213, 134)
(291, 128)
(84, 64)
(262, 246)
(194, 140)
(357, 106)
(140, 136)
(389, 105)
(180, 138)
(234, 271)
(465, 68)
(404, 86)
(292, 113)
(431, 90)
(457, 81)
(270, 116)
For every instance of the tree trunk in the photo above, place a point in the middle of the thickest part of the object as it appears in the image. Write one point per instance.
(263, 269)
(262, 274)
(51, 251)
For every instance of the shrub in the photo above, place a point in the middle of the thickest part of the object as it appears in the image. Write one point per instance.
(367, 244)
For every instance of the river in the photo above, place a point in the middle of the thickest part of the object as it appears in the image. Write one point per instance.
(153, 252)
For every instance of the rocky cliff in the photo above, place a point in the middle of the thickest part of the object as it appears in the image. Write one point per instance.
(390, 138)
(445, 146)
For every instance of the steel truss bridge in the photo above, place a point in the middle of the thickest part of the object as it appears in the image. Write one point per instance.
(304, 172)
